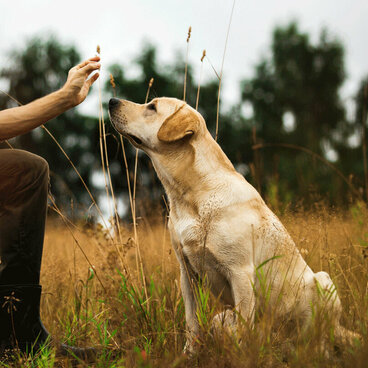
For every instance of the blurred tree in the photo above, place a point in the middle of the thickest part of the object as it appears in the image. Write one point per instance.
(295, 99)
(350, 148)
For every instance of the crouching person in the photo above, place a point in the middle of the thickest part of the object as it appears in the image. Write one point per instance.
(24, 183)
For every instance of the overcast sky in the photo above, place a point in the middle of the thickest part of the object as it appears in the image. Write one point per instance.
(121, 26)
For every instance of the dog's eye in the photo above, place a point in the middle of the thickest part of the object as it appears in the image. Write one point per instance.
(151, 106)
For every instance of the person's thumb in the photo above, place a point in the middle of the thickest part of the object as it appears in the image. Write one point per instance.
(92, 80)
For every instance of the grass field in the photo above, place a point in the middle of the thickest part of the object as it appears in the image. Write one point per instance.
(142, 324)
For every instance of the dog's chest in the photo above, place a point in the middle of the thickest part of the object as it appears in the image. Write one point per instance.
(191, 227)
(189, 231)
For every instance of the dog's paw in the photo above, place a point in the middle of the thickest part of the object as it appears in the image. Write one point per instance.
(191, 346)
(226, 320)
(188, 348)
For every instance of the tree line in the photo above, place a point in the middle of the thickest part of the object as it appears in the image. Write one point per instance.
(289, 135)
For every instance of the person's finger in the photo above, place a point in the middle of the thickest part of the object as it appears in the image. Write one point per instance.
(89, 68)
(90, 60)
(92, 80)
(88, 84)
(95, 58)
(81, 65)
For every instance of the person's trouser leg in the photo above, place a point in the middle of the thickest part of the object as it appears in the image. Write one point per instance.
(24, 182)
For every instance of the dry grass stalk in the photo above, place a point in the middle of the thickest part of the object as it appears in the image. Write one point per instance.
(200, 77)
(222, 69)
(140, 268)
(213, 68)
(186, 63)
(115, 223)
(113, 85)
(164, 235)
(148, 89)
(115, 220)
(103, 167)
(364, 138)
(102, 140)
(134, 215)
(127, 174)
(257, 161)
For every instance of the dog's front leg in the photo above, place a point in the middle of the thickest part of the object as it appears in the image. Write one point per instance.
(187, 276)
(187, 290)
(242, 281)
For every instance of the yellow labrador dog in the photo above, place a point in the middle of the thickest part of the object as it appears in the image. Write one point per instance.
(219, 224)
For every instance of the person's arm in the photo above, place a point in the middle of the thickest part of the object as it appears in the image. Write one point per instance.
(20, 120)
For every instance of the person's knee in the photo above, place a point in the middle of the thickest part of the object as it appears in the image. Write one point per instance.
(21, 172)
(40, 167)
(33, 167)
(20, 169)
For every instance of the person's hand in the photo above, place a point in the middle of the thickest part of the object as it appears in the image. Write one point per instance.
(78, 84)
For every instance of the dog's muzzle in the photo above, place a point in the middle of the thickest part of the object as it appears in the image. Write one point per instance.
(114, 102)
(116, 116)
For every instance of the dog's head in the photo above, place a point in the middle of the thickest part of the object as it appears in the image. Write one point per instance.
(162, 123)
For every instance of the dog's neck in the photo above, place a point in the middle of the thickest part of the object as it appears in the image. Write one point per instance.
(193, 173)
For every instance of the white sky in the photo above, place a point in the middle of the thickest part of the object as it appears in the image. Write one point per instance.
(120, 27)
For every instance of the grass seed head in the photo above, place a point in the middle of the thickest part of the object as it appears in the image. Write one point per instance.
(151, 82)
(203, 55)
(112, 81)
(98, 49)
(189, 33)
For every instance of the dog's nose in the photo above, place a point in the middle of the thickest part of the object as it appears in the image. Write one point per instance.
(113, 102)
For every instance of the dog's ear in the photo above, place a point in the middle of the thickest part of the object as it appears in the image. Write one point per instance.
(181, 123)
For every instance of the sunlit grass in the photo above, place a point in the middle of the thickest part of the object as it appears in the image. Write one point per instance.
(132, 327)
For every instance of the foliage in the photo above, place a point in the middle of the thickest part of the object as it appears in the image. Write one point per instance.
(294, 96)
(295, 99)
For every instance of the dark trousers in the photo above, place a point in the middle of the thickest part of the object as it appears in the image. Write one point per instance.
(24, 183)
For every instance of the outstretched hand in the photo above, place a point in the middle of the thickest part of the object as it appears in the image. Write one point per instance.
(77, 85)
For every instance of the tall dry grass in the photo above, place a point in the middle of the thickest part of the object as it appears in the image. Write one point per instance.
(79, 311)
